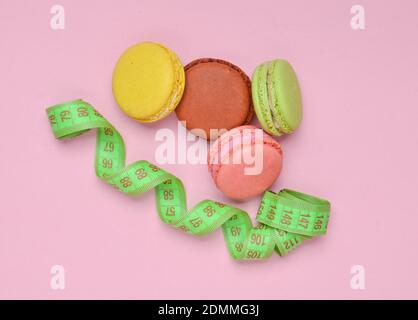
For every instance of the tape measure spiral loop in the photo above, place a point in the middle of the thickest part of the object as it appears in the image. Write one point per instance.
(284, 219)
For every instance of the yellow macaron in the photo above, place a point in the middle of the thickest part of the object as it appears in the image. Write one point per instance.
(148, 81)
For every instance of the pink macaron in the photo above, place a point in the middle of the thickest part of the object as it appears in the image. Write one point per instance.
(245, 162)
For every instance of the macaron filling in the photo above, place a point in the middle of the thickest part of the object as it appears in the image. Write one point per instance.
(261, 104)
(273, 102)
(277, 99)
(175, 94)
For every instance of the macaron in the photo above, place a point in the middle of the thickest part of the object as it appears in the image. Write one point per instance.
(217, 97)
(245, 162)
(276, 97)
(148, 81)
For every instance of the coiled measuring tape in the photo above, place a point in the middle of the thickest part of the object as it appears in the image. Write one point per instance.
(285, 219)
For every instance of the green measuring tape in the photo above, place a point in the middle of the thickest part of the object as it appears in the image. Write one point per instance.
(285, 219)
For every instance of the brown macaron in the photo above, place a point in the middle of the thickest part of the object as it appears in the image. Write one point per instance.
(217, 96)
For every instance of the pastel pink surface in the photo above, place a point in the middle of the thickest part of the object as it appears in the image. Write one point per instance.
(356, 147)
(230, 177)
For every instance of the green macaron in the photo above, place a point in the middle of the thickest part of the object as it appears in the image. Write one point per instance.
(276, 97)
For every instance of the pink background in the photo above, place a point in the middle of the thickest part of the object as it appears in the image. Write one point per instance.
(357, 147)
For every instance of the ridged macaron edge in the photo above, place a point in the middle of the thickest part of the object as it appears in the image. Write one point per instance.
(266, 99)
(260, 99)
(285, 126)
(225, 138)
(177, 91)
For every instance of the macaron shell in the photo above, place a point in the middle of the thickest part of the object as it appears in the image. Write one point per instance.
(287, 92)
(217, 96)
(148, 81)
(232, 179)
(225, 144)
(235, 184)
